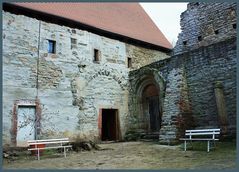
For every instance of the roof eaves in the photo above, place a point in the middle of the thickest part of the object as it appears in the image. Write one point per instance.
(10, 7)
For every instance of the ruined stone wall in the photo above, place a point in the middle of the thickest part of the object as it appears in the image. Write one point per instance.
(205, 23)
(70, 86)
(169, 75)
(190, 80)
(192, 75)
(208, 43)
(204, 68)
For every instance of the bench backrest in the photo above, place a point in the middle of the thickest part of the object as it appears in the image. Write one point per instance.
(212, 132)
(48, 141)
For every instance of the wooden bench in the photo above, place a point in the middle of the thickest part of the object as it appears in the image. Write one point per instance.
(49, 144)
(193, 136)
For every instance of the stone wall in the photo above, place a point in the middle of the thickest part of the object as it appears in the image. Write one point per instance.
(188, 88)
(205, 23)
(169, 75)
(20, 42)
(69, 85)
(192, 78)
(205, 67)
(143, 56)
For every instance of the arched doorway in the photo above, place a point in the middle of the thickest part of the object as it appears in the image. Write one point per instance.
(151, 108)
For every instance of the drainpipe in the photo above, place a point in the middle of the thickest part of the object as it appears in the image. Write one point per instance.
(37, 120)
(38, 58)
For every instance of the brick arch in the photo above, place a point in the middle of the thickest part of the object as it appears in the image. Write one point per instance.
(121, 80)
(150, 78)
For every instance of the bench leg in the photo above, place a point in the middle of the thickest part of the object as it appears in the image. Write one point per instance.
(185, 145)
(208, 146)
(65, 152)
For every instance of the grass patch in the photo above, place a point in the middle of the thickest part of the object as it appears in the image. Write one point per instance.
(50, 151)
(202, 146)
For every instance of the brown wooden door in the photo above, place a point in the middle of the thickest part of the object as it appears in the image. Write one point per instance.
(154, 113)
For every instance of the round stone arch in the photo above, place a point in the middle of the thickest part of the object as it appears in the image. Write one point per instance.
(150, 91)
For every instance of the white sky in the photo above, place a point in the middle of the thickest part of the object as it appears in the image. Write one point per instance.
(167, 17)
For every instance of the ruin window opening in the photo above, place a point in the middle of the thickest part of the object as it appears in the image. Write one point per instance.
(129, 62)
(184, 42)
(234, 26)
(96, 55)
(51, 46)
(216, 32)
(199, 38)
(73, 43)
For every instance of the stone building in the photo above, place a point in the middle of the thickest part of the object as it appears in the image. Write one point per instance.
(73, 70)
(66, 67)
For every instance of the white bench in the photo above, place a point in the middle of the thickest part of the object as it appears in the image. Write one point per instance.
(49, 144)
(210, 133)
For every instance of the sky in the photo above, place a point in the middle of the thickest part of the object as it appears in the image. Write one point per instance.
(167, 17)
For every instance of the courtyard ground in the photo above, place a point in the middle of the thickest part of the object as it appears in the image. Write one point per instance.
(134, 155)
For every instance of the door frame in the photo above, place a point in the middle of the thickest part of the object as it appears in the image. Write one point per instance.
(117, 123)
(24, 102)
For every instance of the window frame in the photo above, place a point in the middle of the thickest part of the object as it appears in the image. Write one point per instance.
(129, 62)
(73, 45)
(96, 55)
(51, 46)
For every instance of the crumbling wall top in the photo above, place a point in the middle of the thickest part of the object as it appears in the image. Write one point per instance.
(205, 23)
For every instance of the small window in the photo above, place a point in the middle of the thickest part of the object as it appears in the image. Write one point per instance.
(96, 55)
(234, 26)
(184, 42)
(51, 46)
(73, 31)
(73, 43)
(199, 38)
(216, 32)
(129, 62)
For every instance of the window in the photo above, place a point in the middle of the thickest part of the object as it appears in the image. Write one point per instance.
(129, 62)
(184, 42)
(234, 26)
(216, 32)
(96, 55)
(51, 46)
(199, 38)
(73, 43)
(73, 31)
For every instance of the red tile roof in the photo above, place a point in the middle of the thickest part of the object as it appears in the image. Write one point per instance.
(128, 19)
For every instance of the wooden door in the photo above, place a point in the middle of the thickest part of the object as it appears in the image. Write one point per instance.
(154, 113)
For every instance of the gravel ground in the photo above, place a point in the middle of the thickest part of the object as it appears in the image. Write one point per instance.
(134, 155)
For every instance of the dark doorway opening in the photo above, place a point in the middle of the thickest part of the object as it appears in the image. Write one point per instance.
(110, 125)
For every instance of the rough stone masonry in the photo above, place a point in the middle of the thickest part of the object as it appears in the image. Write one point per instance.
(203, 64)
(195, 87)
(71, 88)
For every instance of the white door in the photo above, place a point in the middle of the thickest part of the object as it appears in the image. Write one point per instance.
(25, 124)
